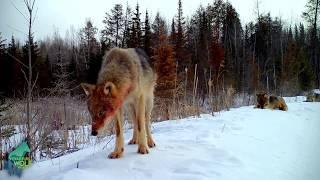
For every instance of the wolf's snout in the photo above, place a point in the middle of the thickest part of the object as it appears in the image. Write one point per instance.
(94, 133)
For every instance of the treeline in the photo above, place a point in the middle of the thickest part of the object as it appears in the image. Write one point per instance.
(209, 51)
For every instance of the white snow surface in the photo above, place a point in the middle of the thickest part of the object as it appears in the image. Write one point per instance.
(240, 144)
(317, 91)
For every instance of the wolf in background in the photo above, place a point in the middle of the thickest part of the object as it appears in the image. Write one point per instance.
(265, 101)
(125, 78)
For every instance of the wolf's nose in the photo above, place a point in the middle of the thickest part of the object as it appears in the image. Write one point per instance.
(94, 133)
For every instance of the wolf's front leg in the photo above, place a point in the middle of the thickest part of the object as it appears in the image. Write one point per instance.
(118, 150)
(141, 122)
(133, 114)
(149, 107)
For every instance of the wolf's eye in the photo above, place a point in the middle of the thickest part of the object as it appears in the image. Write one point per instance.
(101, 113)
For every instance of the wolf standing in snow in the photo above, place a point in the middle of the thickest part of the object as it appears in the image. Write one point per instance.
(125, 78)
(270, 102)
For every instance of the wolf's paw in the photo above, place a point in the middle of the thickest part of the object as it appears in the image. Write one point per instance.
(115, 154)
(133, 141)
(151, 143)
(143, 150)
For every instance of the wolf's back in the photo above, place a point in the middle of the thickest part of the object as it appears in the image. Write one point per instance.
(277, 102)
(121, 65)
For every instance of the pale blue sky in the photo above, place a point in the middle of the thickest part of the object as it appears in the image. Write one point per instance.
(61, 14)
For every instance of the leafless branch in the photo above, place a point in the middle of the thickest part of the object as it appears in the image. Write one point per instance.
(16, 59)
(33, 4)
(35, 81)
(17, 30)
(25, 75)
(19, 11)
(35, 15)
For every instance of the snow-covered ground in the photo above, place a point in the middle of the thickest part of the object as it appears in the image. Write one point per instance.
(239, 144)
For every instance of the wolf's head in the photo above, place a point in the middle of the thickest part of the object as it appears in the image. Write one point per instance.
(103, 102)
(262, 100)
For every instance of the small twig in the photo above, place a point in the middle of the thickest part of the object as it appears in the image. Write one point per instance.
(224, 125)
(111, 138)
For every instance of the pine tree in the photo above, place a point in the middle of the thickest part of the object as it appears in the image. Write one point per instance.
(231, 36)
(296, 33)
(312, 16)
(2, 44)
(180, 44)
(306, 75)
(147, 36)
(302, 36)
(126, 42)
(39, 69)
(17, 79)
(6, 130)
(173, 33)
(3, 67)
(165, 66)
(290, 72)
(136, 32)
(112, 34)
(90, 51)
(158, 25)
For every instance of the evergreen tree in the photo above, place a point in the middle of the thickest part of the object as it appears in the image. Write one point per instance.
(16, 75)
(231, 36)
(173, 33)
(158, 25)
(126, 41)
(40, 71)
(164, 64)
(2, 44)
(290, 72)
(147, 36)
(302, 36)
(112, 34)
(3, 67)
(180, 44)
(136, 32)
(306, 75)
(311, 15)
(90, 52)
(296, 33)
(6, 130)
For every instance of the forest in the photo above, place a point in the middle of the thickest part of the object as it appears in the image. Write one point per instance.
(207, 62)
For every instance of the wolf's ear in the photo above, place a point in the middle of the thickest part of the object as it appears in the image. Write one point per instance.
(88, 88)
(109, 88)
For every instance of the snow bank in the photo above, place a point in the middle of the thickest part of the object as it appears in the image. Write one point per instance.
(316, 91)
(295, 99)
(240, 144)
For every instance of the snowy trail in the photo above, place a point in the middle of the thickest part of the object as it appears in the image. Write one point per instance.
(239, 144)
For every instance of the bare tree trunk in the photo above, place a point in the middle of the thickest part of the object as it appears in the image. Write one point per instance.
(316, 61)
(1, 157)
(65, 128)
(186, 84)
(281, 75)
(30, 5)
(194, 86)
